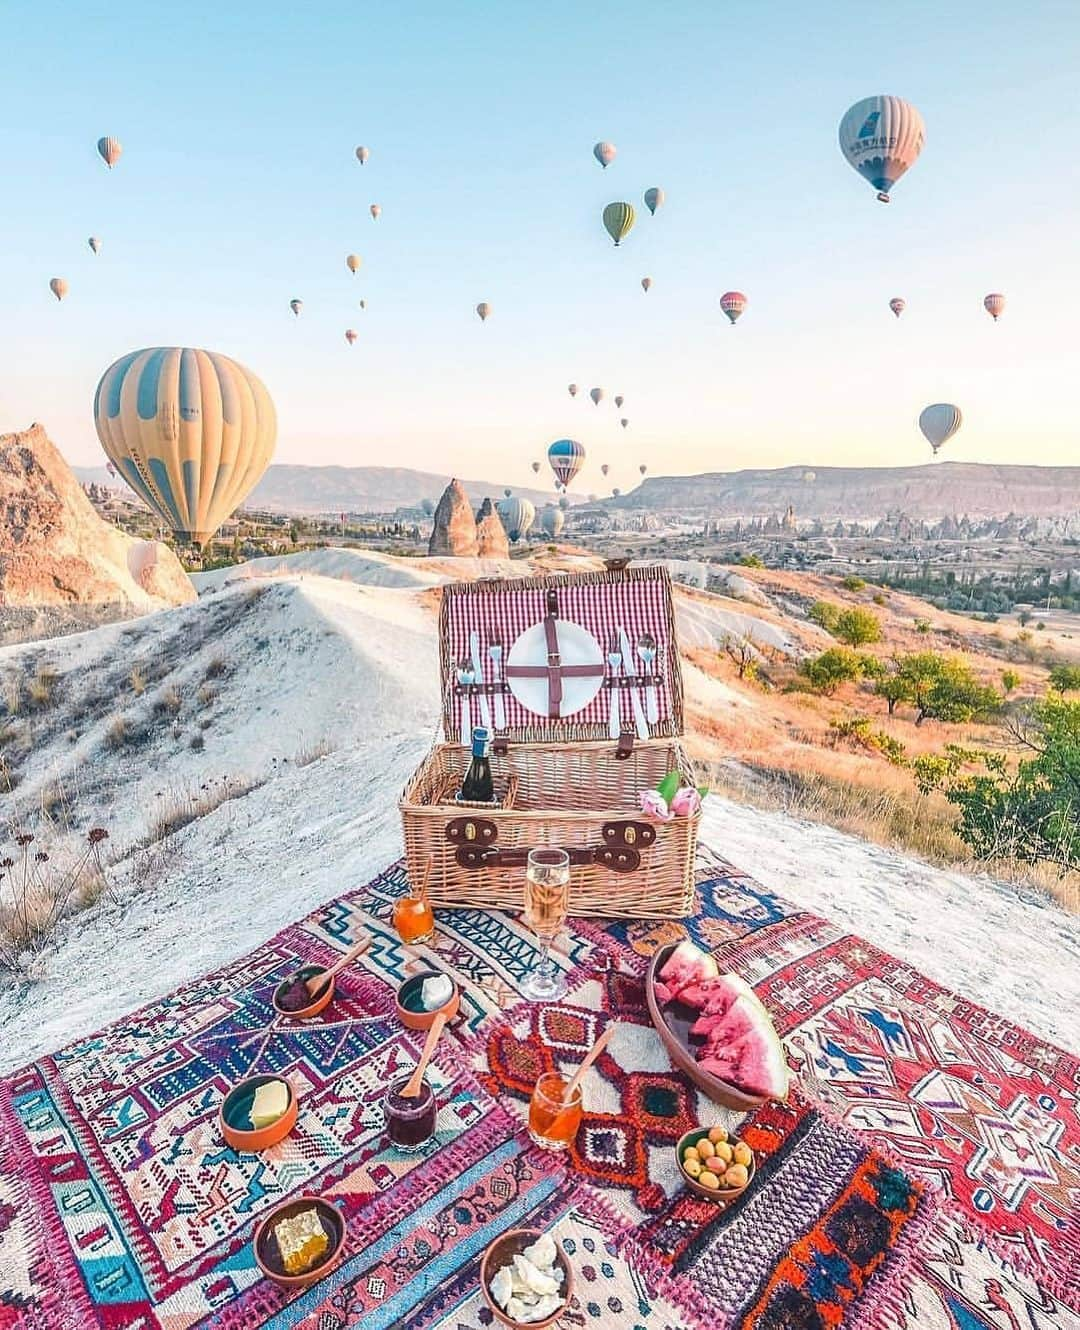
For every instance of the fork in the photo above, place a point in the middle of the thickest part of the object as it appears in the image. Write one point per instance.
(465, 679)
(646, 649)
(495, 651)
(614, 660)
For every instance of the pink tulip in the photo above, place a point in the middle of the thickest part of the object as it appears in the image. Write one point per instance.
(686, 802)
(654, 806)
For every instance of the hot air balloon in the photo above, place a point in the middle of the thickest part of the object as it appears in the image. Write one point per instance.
(646, 283)
(375, 210)
(619, 399)
(363, 304)
(654, 198)
(604, 153)
(483, 309)
(597, 395)
(59, 287)
(536, 468)
(191, 432)
(353, 262)
(110, 151)
(351, 335)
(616, 492)
(552, 521)
(296, 306)
(624, 422)
(565, 457)
(897, 304)
(882, 137)
(507, 493)
(939, 423)
(733, 303)
(517, 517)
(362, 154)
(564, 504)
(605, 469)
(642, 469)
(618, 220)
(95, 244)
(572, 389)
(994, 304)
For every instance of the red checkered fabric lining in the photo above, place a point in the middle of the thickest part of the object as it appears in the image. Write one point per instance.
(637, 606)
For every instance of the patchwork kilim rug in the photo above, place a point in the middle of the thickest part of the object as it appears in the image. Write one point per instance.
(924, 1173)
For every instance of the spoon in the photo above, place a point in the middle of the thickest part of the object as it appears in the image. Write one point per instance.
(590, 1058)
(316, 985)
(416, 1079)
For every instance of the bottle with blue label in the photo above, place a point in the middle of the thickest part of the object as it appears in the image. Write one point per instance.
(478, 786)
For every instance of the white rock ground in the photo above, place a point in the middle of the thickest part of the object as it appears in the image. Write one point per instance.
(300, 659)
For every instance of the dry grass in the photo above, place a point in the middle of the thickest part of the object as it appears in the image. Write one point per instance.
(206, 695)
(215, 667)
(169, 701)
(179, 808)
(308, 753)
(117, 732)
(13, 693)
(137, 679)
(41, 689)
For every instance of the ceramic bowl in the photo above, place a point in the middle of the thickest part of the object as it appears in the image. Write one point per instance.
(313, 1008)
(501, 1252)
(407, 1002)
(673, 1022)
(722, 1196)
(265, 1245)
(234, 1111)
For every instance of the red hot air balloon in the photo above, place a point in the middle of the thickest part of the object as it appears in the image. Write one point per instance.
(897, 304)
(733, 303)
(994, 304)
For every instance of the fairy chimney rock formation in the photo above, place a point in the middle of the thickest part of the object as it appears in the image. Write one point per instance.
(55, 550)
(490, 533)
(454, 531)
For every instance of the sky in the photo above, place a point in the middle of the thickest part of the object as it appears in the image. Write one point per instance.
(239, 190)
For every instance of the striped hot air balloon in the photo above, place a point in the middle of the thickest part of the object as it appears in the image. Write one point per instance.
(881, 137)
(604, 153)
(939, 423)
(59, 287)
(191, 432)
(733, 303)
(994, 304)
(566, 457)
(484, 311)
(517, 515)
(618, 220)
(109, 150)
(897, 304)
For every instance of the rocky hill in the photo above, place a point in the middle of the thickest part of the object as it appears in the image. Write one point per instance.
(56, 553)
(862, 493)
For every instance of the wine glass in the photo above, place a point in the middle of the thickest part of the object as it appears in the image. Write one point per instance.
(547, 900)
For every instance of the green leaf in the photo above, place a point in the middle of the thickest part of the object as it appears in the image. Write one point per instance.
(703, 790)
(669, 786)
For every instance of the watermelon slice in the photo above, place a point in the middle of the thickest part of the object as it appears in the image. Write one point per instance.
(754, 1062)
(719, 1027)
(684, 970)
(719, 995)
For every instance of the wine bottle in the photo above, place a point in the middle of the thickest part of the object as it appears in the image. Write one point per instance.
(478, 786)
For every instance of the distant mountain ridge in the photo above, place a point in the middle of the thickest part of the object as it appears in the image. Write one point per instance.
(350, 489)
(931, 491)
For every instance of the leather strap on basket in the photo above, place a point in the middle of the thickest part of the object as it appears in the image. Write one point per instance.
(555, 670)
(620, 851)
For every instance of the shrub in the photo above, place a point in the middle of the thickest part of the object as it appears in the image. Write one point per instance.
(137, 679)
(857, 627)
(215, 667)
(861, 731)
(923, 625)
(169, 700)
(42, 686)
(1010, 681)
(751, 561)
(824, 613)
(853, 583)
(942, 687)
(826, 672)
(879, 598)
(1065, 678)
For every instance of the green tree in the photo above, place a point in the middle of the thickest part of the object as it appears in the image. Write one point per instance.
(857, 627)
(942, 687)
(751, 561)
(1065, 678)
(853, 583)
(824, 613)
(1010, 681)
(826, 672)
(893, 689)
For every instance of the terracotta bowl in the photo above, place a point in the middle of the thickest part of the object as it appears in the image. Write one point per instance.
(673, 1023)
(266, 1250)
(313, 1008)
(234, 1111)
(722, 1196)
(501, 1252)
(408, 1000)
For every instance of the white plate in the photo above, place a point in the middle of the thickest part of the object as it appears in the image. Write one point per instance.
(576, 647)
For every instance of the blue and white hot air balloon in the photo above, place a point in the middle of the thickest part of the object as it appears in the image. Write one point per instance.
(882, 137)
(566, 457)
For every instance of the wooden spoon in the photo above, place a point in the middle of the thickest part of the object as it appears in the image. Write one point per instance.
(316, 985)
(590, 1058)
(416, 1079)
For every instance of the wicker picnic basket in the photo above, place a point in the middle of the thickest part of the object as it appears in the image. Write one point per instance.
(547, 685)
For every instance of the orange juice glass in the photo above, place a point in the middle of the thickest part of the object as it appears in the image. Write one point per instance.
(554, 1119)
(414, 919)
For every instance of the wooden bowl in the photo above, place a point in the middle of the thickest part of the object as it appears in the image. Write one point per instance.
(235, 1108)
(313, 1008)
(409, 992)
(673, 1023)
(501, 1252)
(721, 1196)
(266, 1250)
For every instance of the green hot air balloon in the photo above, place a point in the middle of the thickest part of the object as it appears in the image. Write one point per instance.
(618, 220)
(191, 432)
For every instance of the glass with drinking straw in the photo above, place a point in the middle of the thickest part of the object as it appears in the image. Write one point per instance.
(414, 918)
(547, 902)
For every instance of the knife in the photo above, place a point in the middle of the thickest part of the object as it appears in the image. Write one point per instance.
(635, 693)
(478, 676)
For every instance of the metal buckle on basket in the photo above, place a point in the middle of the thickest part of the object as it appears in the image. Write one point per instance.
(554, 660)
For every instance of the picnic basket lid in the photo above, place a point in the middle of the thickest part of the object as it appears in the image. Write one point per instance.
(585, 610)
